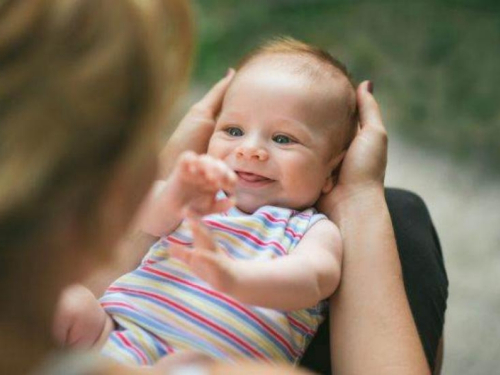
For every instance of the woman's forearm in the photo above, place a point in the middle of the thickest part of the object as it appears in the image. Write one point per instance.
(372, 328)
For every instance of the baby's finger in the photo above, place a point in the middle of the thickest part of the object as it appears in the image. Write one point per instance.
(219, 173)
(210, 168)
(187, 162)
(181, 253)
(202, 238)
(228, 177)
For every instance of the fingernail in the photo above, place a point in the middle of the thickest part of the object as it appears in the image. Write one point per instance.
(229, 72)
(370, 87)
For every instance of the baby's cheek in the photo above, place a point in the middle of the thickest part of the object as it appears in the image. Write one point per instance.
(307, 185)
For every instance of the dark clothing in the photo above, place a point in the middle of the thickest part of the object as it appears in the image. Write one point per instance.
(424, 276)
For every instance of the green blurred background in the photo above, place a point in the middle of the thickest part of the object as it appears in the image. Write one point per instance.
(436, 69)
(435, 64)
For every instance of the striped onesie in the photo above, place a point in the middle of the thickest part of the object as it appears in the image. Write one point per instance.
(162, 307)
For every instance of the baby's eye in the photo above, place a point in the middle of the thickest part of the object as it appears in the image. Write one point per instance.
(234, 132)
(282, 139)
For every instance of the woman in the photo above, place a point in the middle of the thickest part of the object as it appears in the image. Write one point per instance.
(84, 85)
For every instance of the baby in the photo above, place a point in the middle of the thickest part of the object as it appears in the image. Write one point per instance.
(250, 281)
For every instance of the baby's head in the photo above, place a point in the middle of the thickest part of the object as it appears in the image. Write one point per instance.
(286, 121)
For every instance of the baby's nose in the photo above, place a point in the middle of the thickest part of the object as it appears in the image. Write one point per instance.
(252, 153)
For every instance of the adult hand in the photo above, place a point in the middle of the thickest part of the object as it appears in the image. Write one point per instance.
(363, 167)
(371, 326)
(195, 129)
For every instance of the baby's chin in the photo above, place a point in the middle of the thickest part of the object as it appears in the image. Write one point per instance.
(248, 208)
(249, 205)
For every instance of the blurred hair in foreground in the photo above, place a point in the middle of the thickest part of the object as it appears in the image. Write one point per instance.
(83, 84)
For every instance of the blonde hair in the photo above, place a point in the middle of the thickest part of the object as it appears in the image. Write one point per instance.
(82, 83)
(316, 62)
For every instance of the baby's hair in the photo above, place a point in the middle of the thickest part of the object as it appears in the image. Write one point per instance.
(314, 62)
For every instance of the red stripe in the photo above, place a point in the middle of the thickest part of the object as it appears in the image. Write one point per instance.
(257, 240)
(297, 324)
(223, 297)
(272, 218)
(129, 344)
(294, 234)
(121, 304)
(193, 315)
(177, 241)
(276, 220)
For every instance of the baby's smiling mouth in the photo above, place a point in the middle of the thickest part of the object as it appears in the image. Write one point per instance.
(252, 179)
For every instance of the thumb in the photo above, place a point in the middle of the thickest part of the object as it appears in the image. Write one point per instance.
(369, 111)
(212, 101)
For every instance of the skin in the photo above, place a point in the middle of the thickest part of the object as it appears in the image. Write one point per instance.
(275, 131)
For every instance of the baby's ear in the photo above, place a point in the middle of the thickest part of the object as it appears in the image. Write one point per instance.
(330, 182)
(334, 169)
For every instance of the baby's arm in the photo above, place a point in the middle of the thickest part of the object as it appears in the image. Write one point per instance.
(192, 185)
(310, 274)
(80, 321)
(302, 279)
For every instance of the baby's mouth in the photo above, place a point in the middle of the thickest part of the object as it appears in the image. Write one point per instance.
(252, 179)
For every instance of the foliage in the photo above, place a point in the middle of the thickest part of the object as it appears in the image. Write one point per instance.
(435, 64)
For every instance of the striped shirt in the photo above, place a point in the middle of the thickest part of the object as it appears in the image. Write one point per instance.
(162, 307)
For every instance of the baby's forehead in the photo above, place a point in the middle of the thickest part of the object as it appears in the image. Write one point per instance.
(309, 70)
(326, 85)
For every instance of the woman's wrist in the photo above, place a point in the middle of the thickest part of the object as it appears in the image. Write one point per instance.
(348, 202)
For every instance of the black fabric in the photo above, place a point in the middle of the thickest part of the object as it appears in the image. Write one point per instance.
(424, 275)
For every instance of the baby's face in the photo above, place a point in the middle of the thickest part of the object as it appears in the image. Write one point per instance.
(275, 132)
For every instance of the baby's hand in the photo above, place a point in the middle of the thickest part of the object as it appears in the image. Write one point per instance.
(199, 178)
(205, 259)
(191, 188)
